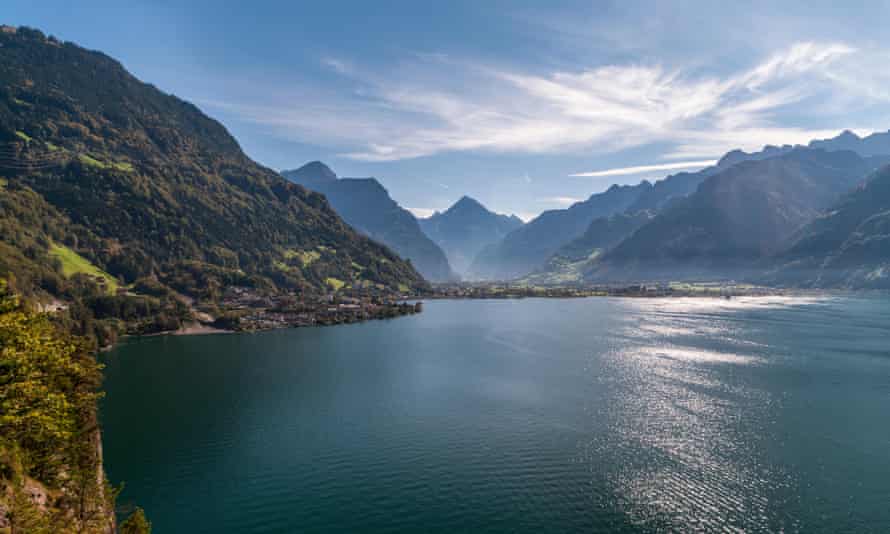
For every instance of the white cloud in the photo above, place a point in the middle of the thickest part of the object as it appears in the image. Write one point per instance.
(421, 213)
(562, 201)
(526, 216)
(337, 65)
(624, 171)
(435, 104)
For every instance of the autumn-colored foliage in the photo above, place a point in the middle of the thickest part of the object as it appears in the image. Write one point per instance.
(50, 471)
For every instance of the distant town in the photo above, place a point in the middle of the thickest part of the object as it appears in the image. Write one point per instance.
(500, 290)
(247, 310)
(244, 309)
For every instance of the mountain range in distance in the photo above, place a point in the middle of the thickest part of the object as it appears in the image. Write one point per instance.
(465, 229)
(143, 186)
(736, 219)
(441, 246)
(366, 205)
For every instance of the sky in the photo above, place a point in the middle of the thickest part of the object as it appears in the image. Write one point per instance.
(525, 106)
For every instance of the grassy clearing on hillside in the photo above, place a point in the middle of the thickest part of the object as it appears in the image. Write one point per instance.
(93, 162)
(23, 136)
(334, 283)
(306, 257)
(73, 263)
(562, 271)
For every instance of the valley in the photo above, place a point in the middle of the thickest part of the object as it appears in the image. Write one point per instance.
(641, 355)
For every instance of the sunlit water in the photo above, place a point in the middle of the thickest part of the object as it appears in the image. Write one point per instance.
(516, 416)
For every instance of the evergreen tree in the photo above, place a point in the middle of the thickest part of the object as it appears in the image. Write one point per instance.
(136, 524)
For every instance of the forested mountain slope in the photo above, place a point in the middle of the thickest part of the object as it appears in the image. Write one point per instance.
(150, 188)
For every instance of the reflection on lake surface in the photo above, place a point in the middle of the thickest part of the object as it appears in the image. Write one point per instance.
(599, 414)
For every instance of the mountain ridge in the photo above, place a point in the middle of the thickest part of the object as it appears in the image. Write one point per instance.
(365, 204)
(736, 219)
(849, 246)
(517, 255)
(465, 228)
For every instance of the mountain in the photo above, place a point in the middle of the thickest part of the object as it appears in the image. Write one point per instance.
(573, 259)
(366, 205)
(871, 145)
(465, 228)
(528, 247)
(137, 185)
(736, 218)
(680, 185)
(312, 175)
(849, 246)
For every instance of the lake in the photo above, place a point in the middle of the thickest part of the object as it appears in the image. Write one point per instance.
(537, 415)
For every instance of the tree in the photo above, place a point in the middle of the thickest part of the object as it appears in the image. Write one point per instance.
(47, 381)
(48, 392)
(136, 523)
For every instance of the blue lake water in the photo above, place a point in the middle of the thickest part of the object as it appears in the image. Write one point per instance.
(595, 415)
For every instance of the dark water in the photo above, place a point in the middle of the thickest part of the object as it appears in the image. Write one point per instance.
(516, 416)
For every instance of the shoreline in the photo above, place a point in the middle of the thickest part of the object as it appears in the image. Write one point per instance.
(197, 329)
(200, 329)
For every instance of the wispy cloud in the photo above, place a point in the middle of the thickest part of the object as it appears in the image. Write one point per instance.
(421, 213)
(624, 171)
(562, 201)
(526, 216)
(337, 65)
(435, 104)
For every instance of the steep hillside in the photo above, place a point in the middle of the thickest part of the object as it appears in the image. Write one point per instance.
(528, 247)
(151, 188)
(465, 228)
(677, 186)
(366, 205)
(572, 260)
(736, 217)
(847, 247)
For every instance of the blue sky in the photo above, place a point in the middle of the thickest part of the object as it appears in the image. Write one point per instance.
(526, 106)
